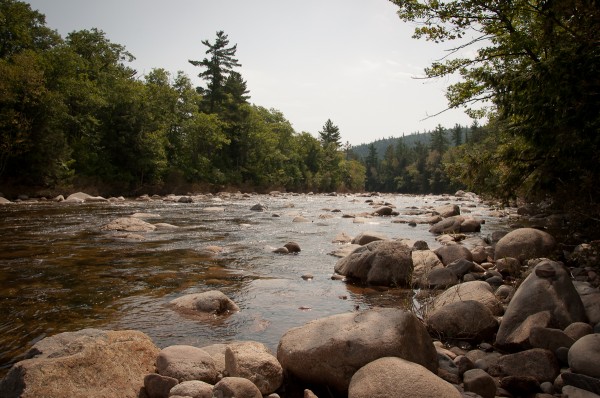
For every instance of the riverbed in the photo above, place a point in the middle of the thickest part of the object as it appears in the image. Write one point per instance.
(59, 271)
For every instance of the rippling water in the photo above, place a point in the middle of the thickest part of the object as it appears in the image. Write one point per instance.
(60, 272)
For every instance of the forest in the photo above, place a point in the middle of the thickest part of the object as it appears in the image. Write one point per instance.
(73, 113)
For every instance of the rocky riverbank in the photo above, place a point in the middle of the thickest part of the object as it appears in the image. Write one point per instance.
(511, 316)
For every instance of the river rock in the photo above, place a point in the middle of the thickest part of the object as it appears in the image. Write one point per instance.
(461, 267)
(582, 381)
(447, 225)
(451, 253)
(328, 351)
(439, 278)
(591, 303)
(192, 389)
(464, 320)
(538, 363)
(342, 237)
(584, 355)
(184, 363)
(475, 290)
(213, 302)
(382, 262)
(383, 211)
(129, 224)
(254, 361)
(367, 237)
(479, 382)
(524, 244)
(87, 363)
(344, 250)
(540, 301)
(577, 330)
(448, 210)
(396, 377)
(292, 247)
(509, 266)
(79, 197)
(236, 387)
(424, 261)
(259, 207)
(4, 201)
(549, 338)
(158, 386)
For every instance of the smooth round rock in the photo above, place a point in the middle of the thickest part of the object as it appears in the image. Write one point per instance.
(584, 355)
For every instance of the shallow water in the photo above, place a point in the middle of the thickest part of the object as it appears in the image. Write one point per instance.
(60, 272)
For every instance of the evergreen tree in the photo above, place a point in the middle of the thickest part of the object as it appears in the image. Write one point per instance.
(218, 67)
(330, 134)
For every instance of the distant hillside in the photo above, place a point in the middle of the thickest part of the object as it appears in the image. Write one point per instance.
(381, 145)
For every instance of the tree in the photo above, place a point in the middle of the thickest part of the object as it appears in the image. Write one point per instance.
(330, 134)
(536, 67)
(439, 140)
(218, 67)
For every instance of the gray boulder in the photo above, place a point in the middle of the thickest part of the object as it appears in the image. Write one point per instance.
(383, 262)
(464, 320)
(185, 363)
(193, 389)
(538, 363)
(451, 253)
(255, 362)
(396, 377)
(87, 363)
(367, 237)
(330, 350)
(546, 298)
(213, 302)
(584, 355)
(447, 225)
(236, 387)
(525, 244)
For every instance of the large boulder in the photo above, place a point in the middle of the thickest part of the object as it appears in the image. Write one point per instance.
(546, 298)
(464, 320)
(255, 362)
(211, 302)
(330, 350)
(185, 363)
(383, 262)
(396, 377)
(88, 363)
(525, 244)
(129, 224)
(475, 290)
(448, 210)
(584, 355)
(447, 225)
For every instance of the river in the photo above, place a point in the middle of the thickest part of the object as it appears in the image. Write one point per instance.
(60, 272)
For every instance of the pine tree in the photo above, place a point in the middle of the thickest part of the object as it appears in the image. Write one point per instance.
(330, 134)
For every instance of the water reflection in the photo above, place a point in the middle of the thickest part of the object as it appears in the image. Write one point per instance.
(60, 272)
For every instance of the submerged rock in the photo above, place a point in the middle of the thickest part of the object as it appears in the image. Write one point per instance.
(129, 224)
(213, 302)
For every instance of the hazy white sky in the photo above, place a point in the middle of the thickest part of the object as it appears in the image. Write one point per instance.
(351, 61)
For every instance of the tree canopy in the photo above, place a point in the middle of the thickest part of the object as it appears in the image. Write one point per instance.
(535, 70)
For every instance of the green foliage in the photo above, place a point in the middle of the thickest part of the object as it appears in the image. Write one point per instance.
(536, 67)
(330, 134)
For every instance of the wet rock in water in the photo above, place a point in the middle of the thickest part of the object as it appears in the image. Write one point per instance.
(464, 320)
(165, 226)
(367, 237)
(383, 262)
(193, 389)
(476, 290)
(524, 244)
(584, 355)
(396, 377)
(342, 237)
(345, 250)
(292, 247)
(447, 225)
(128, 224)
(540, 301)
(448, 210)
(145, 215)
(185, 199)
(300, 219)
(79, 197)
(281, 250)
(185, 363)
(158, 386)
(259, 207)
(538, 363)
(451, 253)
(236, 387)
(58, 198)
(255, 362)
(4, 201)
(87, 363)
(328, 351)
(383, 211)
(214, 302)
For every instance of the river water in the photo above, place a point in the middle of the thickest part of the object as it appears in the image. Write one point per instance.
(60, 272)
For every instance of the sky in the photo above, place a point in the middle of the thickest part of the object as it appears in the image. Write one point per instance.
(351, 61)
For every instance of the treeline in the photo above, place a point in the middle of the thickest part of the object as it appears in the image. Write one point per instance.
(420, 163)
(72, 111)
